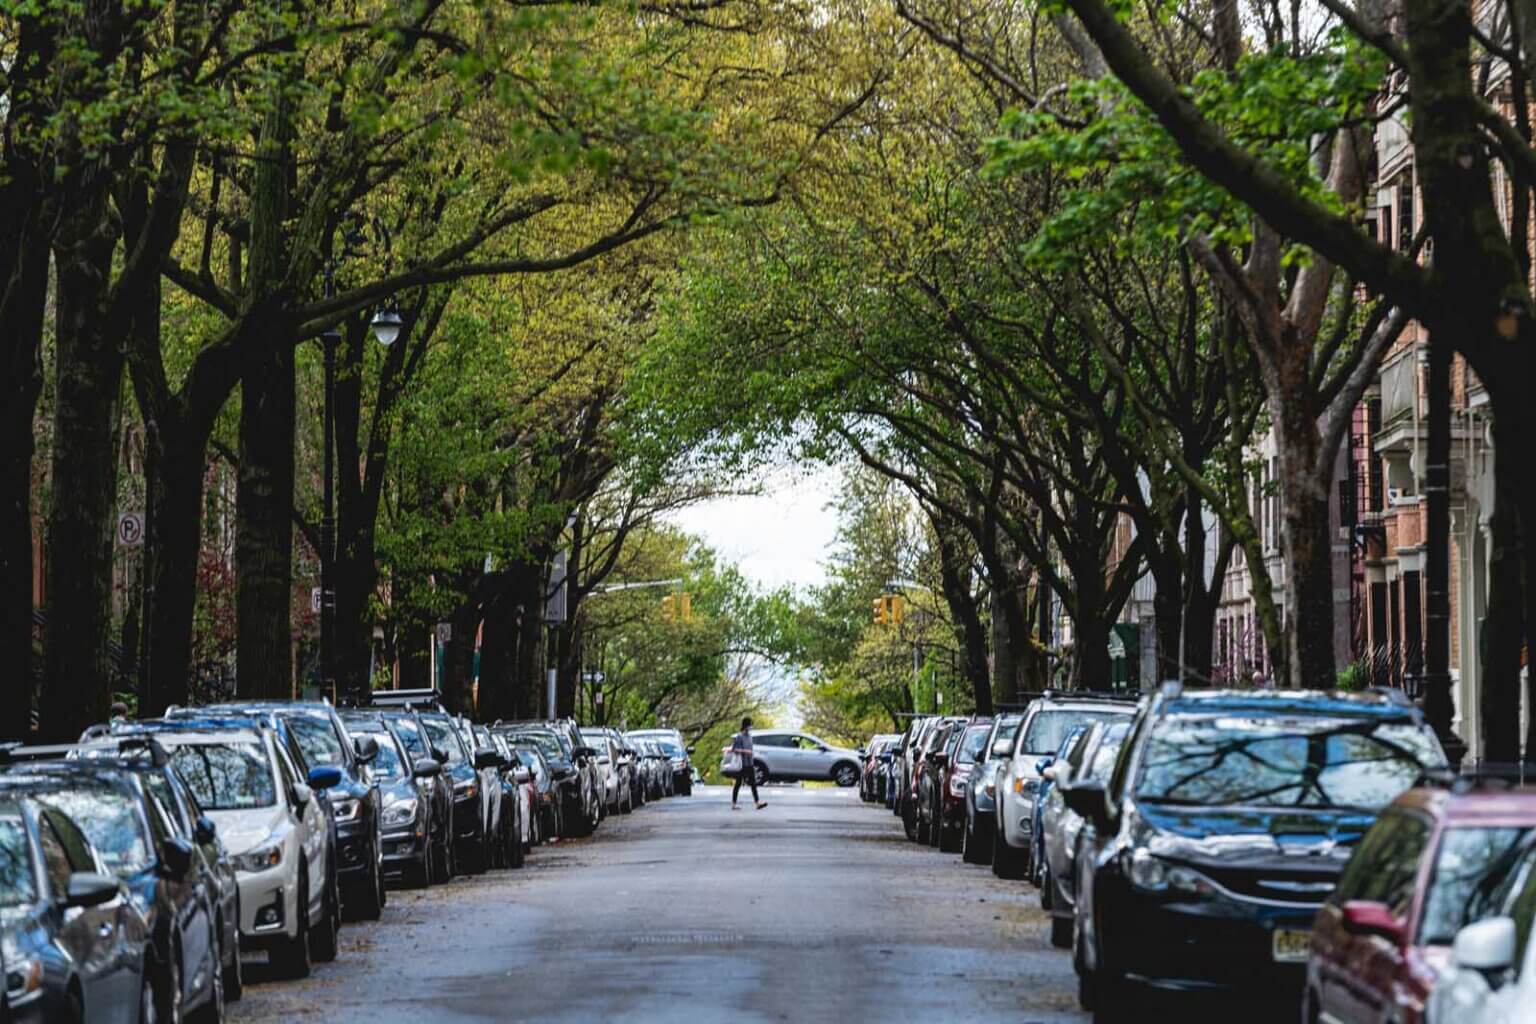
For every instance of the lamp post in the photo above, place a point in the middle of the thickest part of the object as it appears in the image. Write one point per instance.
(385, 325)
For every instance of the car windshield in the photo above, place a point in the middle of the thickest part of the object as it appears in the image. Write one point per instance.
(226, 776)
(545, 741)
(1266, 761)
(443, 735)
(386, 766)
(17, 884)
(110, 820)
(317, 739)
(1103, 762)
(410, 737)
(669, 748)
(1050, 726)
(1470, 869)
(972, 743)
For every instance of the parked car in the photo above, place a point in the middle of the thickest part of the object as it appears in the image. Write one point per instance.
(981, 791)
(1492, 975)
(1224, 825)
(163, 873)
(678, 751)
(1046, 723)
(610, 771)
(557, 781)
(584, 757)
(438, 788)
(75, 947)
(578, 794)
(538, 791)
(410, 828)
(1092, 757)
(933, 737)
(354, 801)
(473, 827)
(918, 731)
(1047, 767)
(1434, 862)
(213, 865)
(952, 775)
(278, 832)
(872, 772)
(783, 755)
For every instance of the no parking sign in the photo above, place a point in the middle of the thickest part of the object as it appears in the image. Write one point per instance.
(130, 529)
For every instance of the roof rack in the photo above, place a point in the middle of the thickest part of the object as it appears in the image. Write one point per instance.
(13, 753)
(1501, 775)
(427, 699)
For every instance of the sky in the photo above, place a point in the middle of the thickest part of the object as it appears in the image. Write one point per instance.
(781, 535)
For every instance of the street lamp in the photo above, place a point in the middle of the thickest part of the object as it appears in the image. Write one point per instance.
(386, 325)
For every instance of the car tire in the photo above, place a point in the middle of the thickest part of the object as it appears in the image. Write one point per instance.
(514, 847)
(1006, 861)
(760, 770)
(419, 874)
(168, 998)
(909, 819)
(323, 940)
(949, 839)
(365, 902)
(845, 774)
(290, 958)
(1061, 932)
(234, 974)
(970, 845)
(212, 1012)
(934, 825)
(1047, 886)
(146, 997)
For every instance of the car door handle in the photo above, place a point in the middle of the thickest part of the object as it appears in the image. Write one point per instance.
(105, 929)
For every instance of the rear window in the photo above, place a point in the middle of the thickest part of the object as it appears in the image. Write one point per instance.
(974, 741)
(226, 776)
(110, 819)
(317, 739)
(1050, 726)
(445, 736)
(1469, 873)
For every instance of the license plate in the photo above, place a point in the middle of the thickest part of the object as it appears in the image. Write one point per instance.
(1291, 946)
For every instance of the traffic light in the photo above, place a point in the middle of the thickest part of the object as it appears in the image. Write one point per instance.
(677, 607)
(890, 610)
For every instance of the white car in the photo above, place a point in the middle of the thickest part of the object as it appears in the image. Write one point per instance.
(607, 765)
(1492, 975)
(277, 834)
(781, 754)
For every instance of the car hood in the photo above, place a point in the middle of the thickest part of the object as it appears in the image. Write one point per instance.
(1251, 834)
(242, 830)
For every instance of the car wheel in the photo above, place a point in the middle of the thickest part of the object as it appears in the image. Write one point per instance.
(628, 806)
(760, 770)
(846, 775)
(909, 819)
(968, 843)
(234, 974)
(291, 958)
(147, 1013)
(934, 825)
(212, 1012)
(1061, 932)
(323, 940)
(515, 853)
(949, 839)
(1006, 861)
(1047, 887)
(365, 901)
(168, 1001)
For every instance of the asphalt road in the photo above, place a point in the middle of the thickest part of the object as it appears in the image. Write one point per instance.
(815, 909)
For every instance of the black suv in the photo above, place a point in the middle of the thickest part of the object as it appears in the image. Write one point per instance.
(356, 806)
(1223, 827)
(582, 818)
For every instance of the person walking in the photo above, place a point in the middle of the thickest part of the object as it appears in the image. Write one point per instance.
(741, 746)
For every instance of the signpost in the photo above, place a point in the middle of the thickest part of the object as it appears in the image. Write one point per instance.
(130, 529)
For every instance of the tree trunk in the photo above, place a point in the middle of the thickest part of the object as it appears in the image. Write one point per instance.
(21, 381)
(413, 648)
(1091, 637)
(174, 468)
(81, 520)
(528, 675)
(1168, 613)
(264, 523)
(498, 648)
(955, 571)
(1306, 545)
(458, 659)
(1503, 627)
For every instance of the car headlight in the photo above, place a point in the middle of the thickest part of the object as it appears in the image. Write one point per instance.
(1150, 873)
(347, 810)
(259, 858)
(23, 981)
(1026, 788)
(402, 812)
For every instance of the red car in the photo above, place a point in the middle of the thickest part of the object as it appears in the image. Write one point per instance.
(948, 814)
(1427, 867)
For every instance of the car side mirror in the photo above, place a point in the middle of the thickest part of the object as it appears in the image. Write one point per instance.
(1002, 748)
(175, 858)
(367, 748)
(513, 761)
(1042, 764)
(89, 889)
(862, 752)
(486, 757)
(439, 755)
(324, 777)
(938, 760)
(586, 752)
(1486, 945)
(204, 830)
(1367, 917)
(1087, 801)
(426, 768)
(301, 795)
(688, 749)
